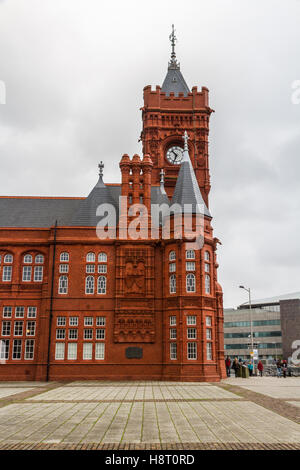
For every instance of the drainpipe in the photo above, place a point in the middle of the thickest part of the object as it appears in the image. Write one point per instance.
(51, 302)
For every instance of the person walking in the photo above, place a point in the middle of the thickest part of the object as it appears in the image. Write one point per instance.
(284, 368)
(236, 366)
(228, 365)
(250, 367)
(278, 365)
(260, 368)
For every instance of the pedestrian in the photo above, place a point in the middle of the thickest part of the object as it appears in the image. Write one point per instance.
(250, 367)
(236, 366)
(228, 365)
(284, 368)
(260, 368)
(278, 365)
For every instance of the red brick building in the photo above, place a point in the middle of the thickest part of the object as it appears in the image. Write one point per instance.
(74, 305)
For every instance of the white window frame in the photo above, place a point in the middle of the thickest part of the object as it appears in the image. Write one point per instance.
(31, 312)
(59, 351)
(173, 333)
(87, 351)
(191, 320)
(172, 255)
(190, 254)
(192, 333)
(63, 268)
(30, 328)
(192, 351)
(172, 267)
(172, 284)
(190, 266)
(29, 349)
(64, 257)
(191, 286)
(8, 259)
(72, 352)
(89, 285)
(19, 349)
(7, 273)
(27, 259)
(90, 257)
(19, 311)
(209, 354)
(26, 273)
(99, 351)
(73, 321)
(100, 321)
(102, 268)
(61, 321)
(38, 274)
(101, 281)
(173, 351)
(39, 259)
(63, 285)
(207, 284)
(7, 311)
(102, 257)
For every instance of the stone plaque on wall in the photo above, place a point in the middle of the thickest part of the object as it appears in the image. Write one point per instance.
(134, 353)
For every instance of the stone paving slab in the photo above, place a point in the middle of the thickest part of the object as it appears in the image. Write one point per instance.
(151, 415)
(8, 391)
(273, 387)
(146, 392)
(200, 421)
(23, 384)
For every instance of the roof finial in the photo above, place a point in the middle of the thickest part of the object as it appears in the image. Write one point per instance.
(162, 176)
(185, 138)
(101, 166)
(173, 40)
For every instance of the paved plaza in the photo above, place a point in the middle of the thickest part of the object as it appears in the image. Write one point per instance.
(235, 413)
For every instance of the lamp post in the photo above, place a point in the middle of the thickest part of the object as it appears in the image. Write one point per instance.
(251, 327)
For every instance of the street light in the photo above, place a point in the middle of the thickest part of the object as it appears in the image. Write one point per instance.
(251, 328)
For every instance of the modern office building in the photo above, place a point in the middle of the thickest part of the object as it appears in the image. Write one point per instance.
(275, 326)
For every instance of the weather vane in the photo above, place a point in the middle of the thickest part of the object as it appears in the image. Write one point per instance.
(173, 40)
(101, 166)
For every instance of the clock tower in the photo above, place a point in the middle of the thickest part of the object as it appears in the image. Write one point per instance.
(168, 111)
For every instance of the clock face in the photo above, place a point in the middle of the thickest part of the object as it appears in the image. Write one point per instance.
(174, 155)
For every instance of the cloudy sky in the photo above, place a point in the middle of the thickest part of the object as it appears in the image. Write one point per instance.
(74, 72)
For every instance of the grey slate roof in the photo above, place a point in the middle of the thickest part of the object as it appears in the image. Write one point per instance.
(36, 212)
(187, 191)
(86, 216)
(174, 81)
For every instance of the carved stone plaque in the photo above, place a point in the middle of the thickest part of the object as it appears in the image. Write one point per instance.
(134, 353)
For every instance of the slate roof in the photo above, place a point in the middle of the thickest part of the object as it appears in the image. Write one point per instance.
(86, 215)
(174, 81)
(36, 212)
(187, 191)
(42, 212)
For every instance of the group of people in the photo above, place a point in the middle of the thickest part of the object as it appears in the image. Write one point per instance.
(281, 368)
(236, 364)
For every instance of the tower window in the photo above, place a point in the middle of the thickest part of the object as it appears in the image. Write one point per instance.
(190, 283)
(172, 285)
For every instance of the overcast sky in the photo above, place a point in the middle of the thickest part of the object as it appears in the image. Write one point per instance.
(74, 72)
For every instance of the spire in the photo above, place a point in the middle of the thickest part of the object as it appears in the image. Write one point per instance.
(86, 215)
(174, 81)
(162, 181)
(173, 39)
(187, 190)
